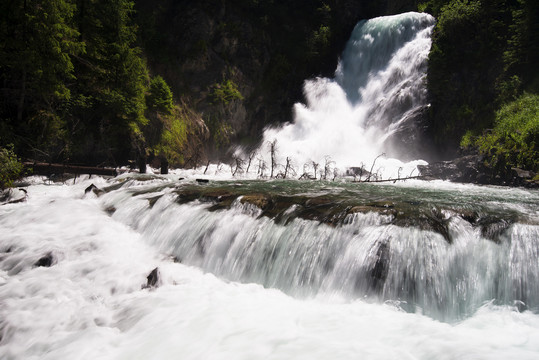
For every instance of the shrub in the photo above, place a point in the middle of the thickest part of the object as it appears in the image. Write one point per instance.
(10, 167)
(173, 137)
(225, 92)
(514, 141)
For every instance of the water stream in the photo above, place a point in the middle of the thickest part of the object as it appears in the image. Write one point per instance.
(304, 278)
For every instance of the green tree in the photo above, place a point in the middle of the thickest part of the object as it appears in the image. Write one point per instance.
(522, 54)
(514, 140)
(37, 42)
(160, 96)
(108, 107)
(465, 64)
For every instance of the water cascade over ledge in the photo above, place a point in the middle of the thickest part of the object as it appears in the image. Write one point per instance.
(427, 250)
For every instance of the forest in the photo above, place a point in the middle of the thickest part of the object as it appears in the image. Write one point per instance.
(119, 82)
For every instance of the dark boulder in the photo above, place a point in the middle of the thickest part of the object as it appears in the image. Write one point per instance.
(94, 189)
(153, 279)
(46, 261)
(378, 273)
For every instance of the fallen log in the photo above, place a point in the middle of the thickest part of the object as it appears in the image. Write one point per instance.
(36, 168)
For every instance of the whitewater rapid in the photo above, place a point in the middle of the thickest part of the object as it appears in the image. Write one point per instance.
(90, 303)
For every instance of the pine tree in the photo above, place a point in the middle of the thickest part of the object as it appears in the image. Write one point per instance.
(112, 79)
(36, 45)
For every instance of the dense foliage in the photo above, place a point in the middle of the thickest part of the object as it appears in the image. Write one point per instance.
(514, 140)
(484, 55)
(75, 85)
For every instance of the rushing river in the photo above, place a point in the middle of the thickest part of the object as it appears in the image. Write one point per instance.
(238, 282)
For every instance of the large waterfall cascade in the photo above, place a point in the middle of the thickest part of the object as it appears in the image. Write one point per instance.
(378, 90)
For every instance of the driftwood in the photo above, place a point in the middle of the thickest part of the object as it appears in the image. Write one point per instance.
(36, 168)
(393, 180)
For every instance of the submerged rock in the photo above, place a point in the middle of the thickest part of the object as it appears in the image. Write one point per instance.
(378, 273)
(153, 279)
(261, 201)
(94, 189)
(13, 196)
(46, 261)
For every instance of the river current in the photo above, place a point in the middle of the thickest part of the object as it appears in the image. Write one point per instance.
(231, 302)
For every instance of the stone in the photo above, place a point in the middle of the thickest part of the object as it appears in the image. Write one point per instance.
(94, 189)
(261, 201)
(153, 279)
(45, 261)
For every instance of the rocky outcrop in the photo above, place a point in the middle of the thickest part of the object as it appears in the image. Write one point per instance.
(335, 212)
(473, 169)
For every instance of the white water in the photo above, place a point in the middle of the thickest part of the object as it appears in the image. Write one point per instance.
(90, 305)
(378, 88)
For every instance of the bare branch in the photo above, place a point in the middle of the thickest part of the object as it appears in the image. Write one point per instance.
(372, 167)
(251, 156)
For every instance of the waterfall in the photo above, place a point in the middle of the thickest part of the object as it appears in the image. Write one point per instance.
(371, 106)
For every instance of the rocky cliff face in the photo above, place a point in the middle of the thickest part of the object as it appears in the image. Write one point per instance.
(241, 63)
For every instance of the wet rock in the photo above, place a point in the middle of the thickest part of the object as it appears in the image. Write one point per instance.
(153, 279)
(153, 200)
(110, 210)
(187, 195)
(45, 261)
(468, 215)
(524, 178)
(13, 196)
(464, 169)
(364, 209)
(259, 200)
(202, 181)
(473, 169)
(94, 189)
(493, 227)
(379, 271)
